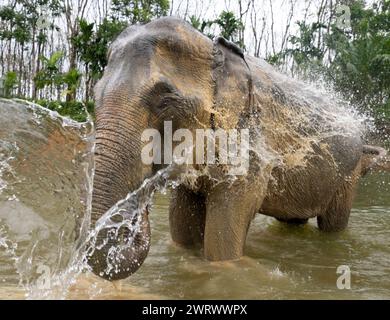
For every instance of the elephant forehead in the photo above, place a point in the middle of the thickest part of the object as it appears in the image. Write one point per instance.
(186, 59)
(166, 48)
(190, 74)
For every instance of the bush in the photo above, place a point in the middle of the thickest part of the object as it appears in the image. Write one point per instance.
(8, 84)
(72, 109)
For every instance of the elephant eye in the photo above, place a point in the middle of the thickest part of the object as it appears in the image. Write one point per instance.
(163, 95)
(163, 103)
(163, 87)
(168, 100)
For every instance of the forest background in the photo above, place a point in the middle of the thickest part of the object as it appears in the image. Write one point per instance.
(54, 51)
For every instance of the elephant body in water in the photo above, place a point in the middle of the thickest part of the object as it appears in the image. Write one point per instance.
(304, 161)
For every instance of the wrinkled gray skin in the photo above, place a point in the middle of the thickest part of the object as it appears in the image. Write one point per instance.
(166, 70)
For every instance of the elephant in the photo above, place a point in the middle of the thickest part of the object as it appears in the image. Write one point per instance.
(307, 164)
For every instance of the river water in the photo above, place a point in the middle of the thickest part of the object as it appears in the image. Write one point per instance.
(46, 170)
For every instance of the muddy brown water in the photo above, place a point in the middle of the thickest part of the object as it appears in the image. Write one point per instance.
(42, 198)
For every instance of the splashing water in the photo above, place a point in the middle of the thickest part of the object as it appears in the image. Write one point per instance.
(128, 213)
(44, 162)
(55, 155)
(46, 174)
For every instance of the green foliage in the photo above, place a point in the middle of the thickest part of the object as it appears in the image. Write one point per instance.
(91, 43)
(105, 35)
(361, 67)
(50, 72)
(73, 109)
(202, 25)
(51, 75)
(19, 25)
(92, 46)
(197, 23)
(71, 79)
(139, 11)
(8, 84)
(229, 26)
(355, 60)
(306, 56)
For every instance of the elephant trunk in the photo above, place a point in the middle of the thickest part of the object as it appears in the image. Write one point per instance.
(118, 170)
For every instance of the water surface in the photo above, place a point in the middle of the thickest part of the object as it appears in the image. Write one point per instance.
(45, 171)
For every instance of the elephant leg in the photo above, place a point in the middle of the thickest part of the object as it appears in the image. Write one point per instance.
(293, 221)
(337, 214)
(187, 217)
(229, 212)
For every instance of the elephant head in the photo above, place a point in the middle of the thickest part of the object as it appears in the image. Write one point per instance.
(156, 72)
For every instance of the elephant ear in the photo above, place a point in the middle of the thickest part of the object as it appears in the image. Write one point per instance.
(234, 85)
(231, 46)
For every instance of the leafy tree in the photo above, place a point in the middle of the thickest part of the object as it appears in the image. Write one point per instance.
(306, 56)
(71, 79)
(230, 26)
(8, 84)
(32, 12)
(105, 35)
(50, 73)
(139, 11)
(92, 46)
(72, 109)
(355, 60)
(92, 41)
(360, 69)
(202, 25)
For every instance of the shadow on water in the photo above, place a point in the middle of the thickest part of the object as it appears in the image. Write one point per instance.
(43, 194)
